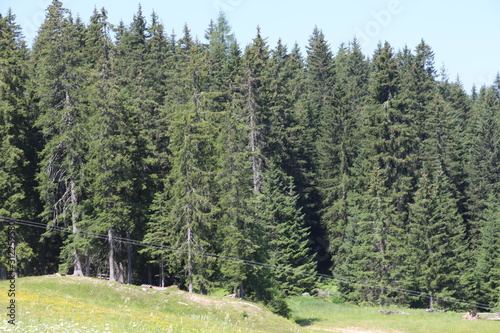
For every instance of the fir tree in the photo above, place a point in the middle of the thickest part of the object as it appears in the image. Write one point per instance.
(17, 145)
(338, 143)
(254, 84)
(108, 167)
(435, 237)
(488, 264)
(183, 211)
(237, 227)
(483, 157)
(287, 236)
(320, 79)
(384, 179)
(57, 60)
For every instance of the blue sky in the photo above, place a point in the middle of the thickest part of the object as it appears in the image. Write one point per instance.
(465, 35)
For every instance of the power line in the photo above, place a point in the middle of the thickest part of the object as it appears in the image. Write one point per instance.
(244, 262)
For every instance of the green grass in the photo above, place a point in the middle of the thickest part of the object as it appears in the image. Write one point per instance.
(79, 304)
(321, 314)
(86, 305)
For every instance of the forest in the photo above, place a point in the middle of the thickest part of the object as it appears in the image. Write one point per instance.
(149, 157)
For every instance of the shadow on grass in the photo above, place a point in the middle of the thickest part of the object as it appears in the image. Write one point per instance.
(306, 321)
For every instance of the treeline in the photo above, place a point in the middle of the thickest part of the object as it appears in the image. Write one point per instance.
(225, 162)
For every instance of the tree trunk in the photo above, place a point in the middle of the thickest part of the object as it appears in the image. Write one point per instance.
(74, 218)
(121, 272)
(190, 262)
(256, 168)
(111, 255)
(162, 275)
(150, 275)
(129, 259)
(87, 266)
(242, 291)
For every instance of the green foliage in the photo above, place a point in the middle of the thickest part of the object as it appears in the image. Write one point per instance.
(16, 122)
(435, 237)
(59, 75)
(219, 159)
(488, 264)
(287, 236)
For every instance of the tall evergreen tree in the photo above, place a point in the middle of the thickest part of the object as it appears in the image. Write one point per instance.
(237, 227)
(384, 171)
(57, 63)
(483, 157)
(320, 79)
(435, 237)
(17, 145)
(338, 143)
(254, 84)
(108, 167)
(287, 236)
(488, 265)
(183, 212)
(220, 41)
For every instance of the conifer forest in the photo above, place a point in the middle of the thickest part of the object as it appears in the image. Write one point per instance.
(152, 157)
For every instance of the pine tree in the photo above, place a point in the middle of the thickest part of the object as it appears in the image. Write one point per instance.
(488, 264)
(220, 41)
(16, 122)
(384, 181)
(320, 79)
(483, 157)
(338, 143)
(18, 146)
(57, 64)
(183, 211)
(287, 237)
(435, 237)
(254, 86)
(108, 167)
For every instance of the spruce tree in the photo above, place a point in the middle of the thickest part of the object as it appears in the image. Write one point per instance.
(255, 107)
(57, 64)
(183, 211)
(487, 267)
(237, 227)
(287, 236)
(108, 167)
(483, 156)
(320, 79)
(220, 41)
(384, 181)
(338, 143)
(435, 237)
(17, 146)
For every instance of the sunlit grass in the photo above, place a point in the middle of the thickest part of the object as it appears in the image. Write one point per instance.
(78, 304)
(317, 313)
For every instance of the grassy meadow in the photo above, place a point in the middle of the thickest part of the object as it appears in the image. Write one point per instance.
(86, 305)
(327, 316)
(79, 304)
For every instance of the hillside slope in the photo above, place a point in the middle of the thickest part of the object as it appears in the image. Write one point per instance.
(80, 304)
